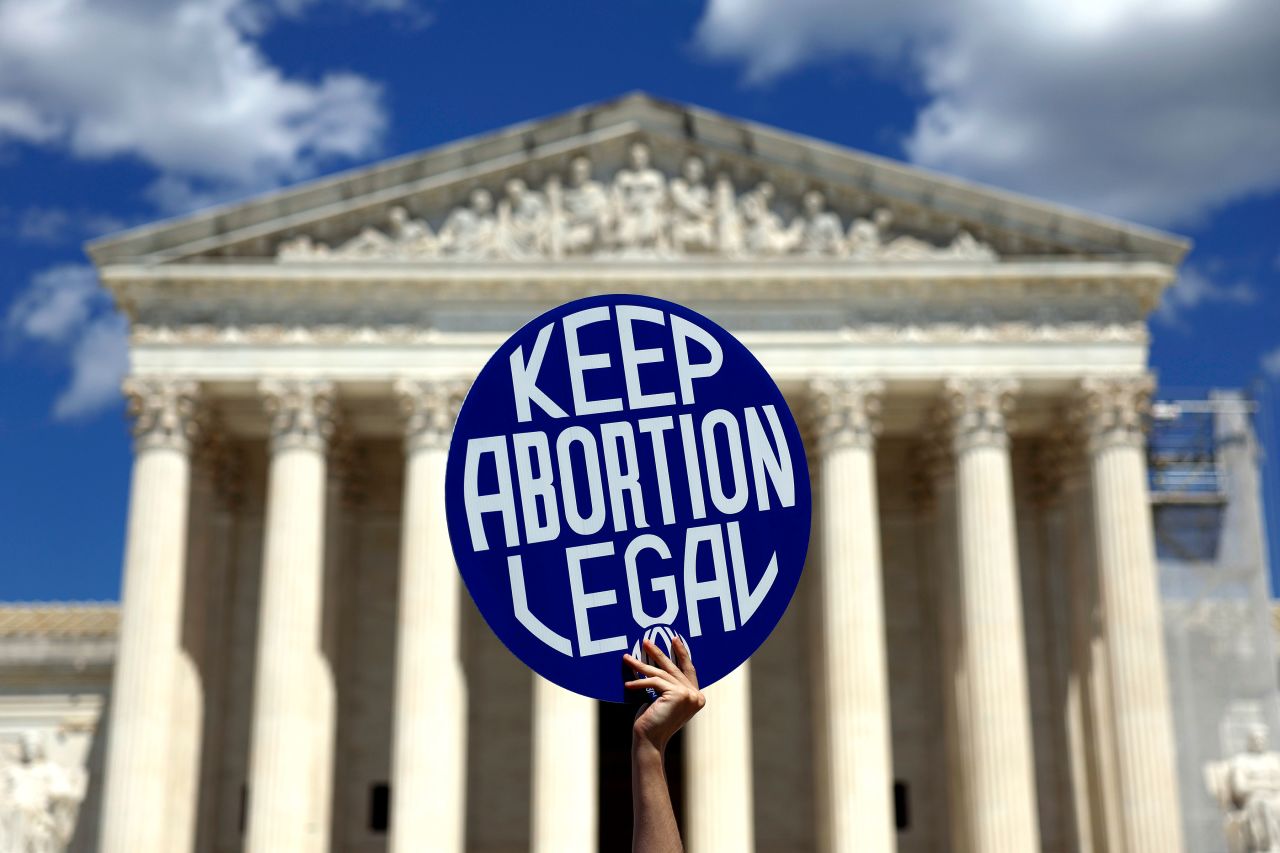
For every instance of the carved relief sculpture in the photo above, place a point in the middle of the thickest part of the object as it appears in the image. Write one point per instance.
(1247, 788)
(39, 799)
(765, 233)
(639, 213)
(640, 197)
(587, 212)
(524, 224)
(471, 232)
(821, 233)
(693, 210)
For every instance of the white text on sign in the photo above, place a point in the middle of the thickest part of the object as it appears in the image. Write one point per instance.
(587, 480)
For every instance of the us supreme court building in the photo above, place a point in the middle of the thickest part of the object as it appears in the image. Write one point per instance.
(973, 662)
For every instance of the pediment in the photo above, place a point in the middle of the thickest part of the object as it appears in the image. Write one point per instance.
(635, 179)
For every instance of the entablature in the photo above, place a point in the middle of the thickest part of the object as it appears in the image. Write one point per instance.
(361, 295)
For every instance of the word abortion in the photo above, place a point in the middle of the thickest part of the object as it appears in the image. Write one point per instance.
(609, 455)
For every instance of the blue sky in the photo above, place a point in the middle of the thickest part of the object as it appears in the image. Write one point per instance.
(117, 112)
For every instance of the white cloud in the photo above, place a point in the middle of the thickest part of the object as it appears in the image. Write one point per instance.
(65, 308)
(182, 86)
(56, 225)
(1271, 363)
(1154, 111)
(1195, 287)
(99, 362)
(57, 304)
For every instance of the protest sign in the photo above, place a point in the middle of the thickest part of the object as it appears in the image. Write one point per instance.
(623, 467)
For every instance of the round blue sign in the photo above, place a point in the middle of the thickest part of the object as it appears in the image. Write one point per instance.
(624, 468)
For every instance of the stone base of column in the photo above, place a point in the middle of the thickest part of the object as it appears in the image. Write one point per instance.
(564, 770)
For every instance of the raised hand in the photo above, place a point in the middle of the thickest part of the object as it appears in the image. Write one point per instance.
(676, 684)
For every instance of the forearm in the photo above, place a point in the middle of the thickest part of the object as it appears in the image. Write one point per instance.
(654, 829)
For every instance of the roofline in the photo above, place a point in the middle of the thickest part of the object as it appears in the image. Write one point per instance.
(655, 116)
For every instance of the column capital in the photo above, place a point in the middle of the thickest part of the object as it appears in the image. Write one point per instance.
(164, 410)
(846, 412)
(301, 412)
(1111, 411)
(430, 408)
(976, 411)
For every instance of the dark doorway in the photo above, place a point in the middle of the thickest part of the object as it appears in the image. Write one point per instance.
(615, 775)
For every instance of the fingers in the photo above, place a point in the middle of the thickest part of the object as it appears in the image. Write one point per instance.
(659, 657)
(685, 660)
(661, 684)
(644, 668)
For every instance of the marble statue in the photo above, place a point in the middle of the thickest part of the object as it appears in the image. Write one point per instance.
(405, 238)
(369, 243)
(764, 232)
(524, 221)
(638, 213)
(471, 231)
(965, 247)
(302, 248)
(866, 236)
(640, 198)
(821, 232)
(1247, 787)
(693, 209)
(412, 237)
(587, 217)
(38, 800)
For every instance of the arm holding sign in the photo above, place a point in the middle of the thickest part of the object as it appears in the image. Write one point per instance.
(678, 700)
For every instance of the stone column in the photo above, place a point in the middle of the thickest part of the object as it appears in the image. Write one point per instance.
(1130, 601)
(856, 787)
(719, 814)
(994, 722)
(428, 765)
(285, 751)
(564, 770)
(135, 799)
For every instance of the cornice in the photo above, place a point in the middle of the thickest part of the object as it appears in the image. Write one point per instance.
(793, 280)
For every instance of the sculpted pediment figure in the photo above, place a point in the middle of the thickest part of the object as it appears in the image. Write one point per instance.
(765, 233)
(822, 233)
(524, 221)
(587, 211)
(640, 198)
(471, 231)
(693, 209)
